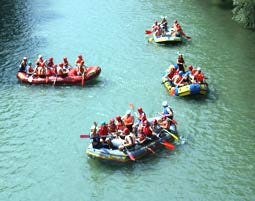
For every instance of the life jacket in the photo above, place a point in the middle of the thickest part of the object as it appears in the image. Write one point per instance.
(171, 74)
(40, 63)
(112, 127)
(103, 131)
(147, 130)
(199, 77)
(178, 79)
(50, 64)
(120, 125)
(128, 120)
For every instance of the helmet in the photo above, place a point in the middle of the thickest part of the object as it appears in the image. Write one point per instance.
(139, 109)
(29, 63)
(126, 131)
(190, 67)
(25, 58)
(175, 21)
(181, 73)
(118, 118)
(111, 121)
(51, 59)
(198, 69)
(164, 104)
(80, 56)
(155, 121)
(65, 59)
(176, 66)
(128, 112)
(61, 64)
(39, 56)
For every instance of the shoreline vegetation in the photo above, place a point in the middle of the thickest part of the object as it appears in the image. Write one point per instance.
(243, 11)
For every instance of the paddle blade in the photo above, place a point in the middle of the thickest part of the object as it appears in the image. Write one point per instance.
(30, 79)
(148, 32)
(172, 91)
(150, 40)
(131, 105)
(82, 80)
(168, 145)
(84, 136)
(132, 158)
(151, 150)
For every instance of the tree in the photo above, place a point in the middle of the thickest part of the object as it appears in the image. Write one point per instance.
(244, 12)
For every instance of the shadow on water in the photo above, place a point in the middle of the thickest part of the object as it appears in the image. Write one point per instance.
(19, 21)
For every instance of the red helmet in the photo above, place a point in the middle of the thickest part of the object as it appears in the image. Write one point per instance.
(51, 59)
(126, 131)
(155, 121)
(140, 109)
(111, 121)
(118, 118)
(61, 64)
(65, 59)
(80, 56)
(190, 67)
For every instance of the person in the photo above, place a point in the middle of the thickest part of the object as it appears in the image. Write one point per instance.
(180, 62)
(156, 128)
(179, 79)
(199, 76)
(164, 122)
(167, 110)
(155, 26)
(112, 127)
(141, 115)
(141, 137)
(66, 64)
(163, 25)
(129, 140)
(147, 130)
(29, 68)
(50, 63)
(61, 71)
(103, 134)
(95, 139)
(80, 64)
(23, 65)
(120, 123)
(128, 120)
(41, 68)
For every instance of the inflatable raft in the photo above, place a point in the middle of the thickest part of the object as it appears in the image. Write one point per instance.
(71, 79)
(134, 153)
(139, 150)
(167, 38)
(190, 89)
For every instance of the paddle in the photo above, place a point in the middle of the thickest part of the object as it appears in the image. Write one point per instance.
(168, 145)
(148, 32)
(84, 136)
(82, 80)
(150, 40)
(55, 80)
(174, 136)
(131, 156)
(172, 92)
(151, 150)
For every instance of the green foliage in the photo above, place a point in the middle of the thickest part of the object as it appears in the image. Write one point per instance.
(244, 12)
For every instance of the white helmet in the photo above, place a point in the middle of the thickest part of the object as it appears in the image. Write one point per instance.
(128, 112)
(24, 58)
(39, 56)
(164, 104)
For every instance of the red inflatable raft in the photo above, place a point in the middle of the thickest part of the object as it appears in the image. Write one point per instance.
(71, 79)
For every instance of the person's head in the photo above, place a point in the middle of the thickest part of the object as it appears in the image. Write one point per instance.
(40, 56)
(146, 123)
(103, 124)
(126, 131)
(198, 69)
(80, 56)
(128, 112)
(61, 64)
(140, 110)
(65, 59)
(24, 58)
(112, 121)
(155, 121)
(190, 67)
(29, 63)
(118, 118)
(51, 59)
(175, 21)
(164, 104)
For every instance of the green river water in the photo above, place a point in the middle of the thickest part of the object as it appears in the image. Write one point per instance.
(41, 154)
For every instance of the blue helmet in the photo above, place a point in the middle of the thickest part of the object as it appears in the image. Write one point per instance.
(176, 66)
(181, 73)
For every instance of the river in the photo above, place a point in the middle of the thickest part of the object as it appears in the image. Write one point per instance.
(41, 154)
